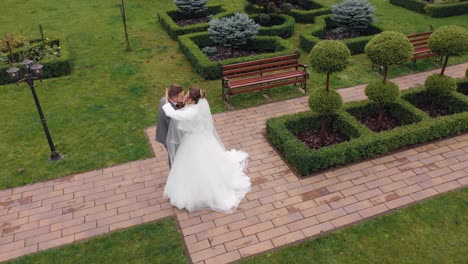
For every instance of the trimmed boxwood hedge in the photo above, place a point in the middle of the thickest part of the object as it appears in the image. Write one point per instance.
(308, 16)
(191, 45)
(455, 102)
(166, 18)
(433, 10)
(284, 27)
(53, 67)
(363, 143)
(310, 38)
(446, 10)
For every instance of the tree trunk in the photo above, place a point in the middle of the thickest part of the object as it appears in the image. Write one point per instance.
(323, 131)
(328, 82)
(380, 121)
(385, 74)
(433, 106)
(444, 65)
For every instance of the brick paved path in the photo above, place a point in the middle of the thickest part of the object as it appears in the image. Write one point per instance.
(281, 209)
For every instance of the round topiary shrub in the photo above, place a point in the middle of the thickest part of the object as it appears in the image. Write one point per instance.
(354, 15)
(383, 94)
(189, 7)
(449, 41)
(234, 31)
(389, 48)
(324, 103)
(329, 56)
(439, 86)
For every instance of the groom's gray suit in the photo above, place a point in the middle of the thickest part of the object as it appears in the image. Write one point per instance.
(162, 126)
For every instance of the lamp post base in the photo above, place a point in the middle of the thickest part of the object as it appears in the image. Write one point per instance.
(55, 156)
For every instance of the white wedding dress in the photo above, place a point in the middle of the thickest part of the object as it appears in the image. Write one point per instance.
(203, 175)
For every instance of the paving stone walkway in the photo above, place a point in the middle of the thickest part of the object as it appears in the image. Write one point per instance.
(281, 209)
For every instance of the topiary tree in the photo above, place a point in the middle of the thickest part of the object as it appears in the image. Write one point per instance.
(329, 56)
(449, 41)
(191, 7)
(383, 94)
(439, 86)
(324, 102)
(234, 31)
(389, 48)
(354, 15)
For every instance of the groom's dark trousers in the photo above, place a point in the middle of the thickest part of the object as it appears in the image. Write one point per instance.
(162, 126)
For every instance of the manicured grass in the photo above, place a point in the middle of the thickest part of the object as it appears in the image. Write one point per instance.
(150, 243)
(430, 232)
(97, 114)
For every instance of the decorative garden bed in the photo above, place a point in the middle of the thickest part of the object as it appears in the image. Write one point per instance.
(169, 20)
(462, 86)
(279, 25)
(192, 45)
(417, 127)
(433, 10)
(54, 66)
(324, 24)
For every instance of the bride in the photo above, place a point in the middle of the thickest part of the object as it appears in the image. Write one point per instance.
(204, 175)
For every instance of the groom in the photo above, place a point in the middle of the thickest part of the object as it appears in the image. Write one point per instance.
(176, 99)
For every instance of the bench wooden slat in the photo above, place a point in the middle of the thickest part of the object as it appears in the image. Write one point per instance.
(261, 61)
(263, 87)
(265, 67)
(261, 72)
(420, 34)
(266, 78)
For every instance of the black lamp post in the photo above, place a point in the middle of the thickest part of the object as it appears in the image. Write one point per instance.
(33, 71)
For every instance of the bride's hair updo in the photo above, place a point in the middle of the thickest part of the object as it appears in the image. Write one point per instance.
(196, 94)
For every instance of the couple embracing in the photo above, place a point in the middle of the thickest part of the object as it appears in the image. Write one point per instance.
(203, 175)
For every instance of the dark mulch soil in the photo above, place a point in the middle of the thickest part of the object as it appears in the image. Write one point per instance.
(335, 34)
(311, 138)
(439, 111)
(191, 21)
(228, 53)
(387, 124)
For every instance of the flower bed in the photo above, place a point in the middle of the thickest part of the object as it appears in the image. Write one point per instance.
(192, 44)
(310, 12)
(53, 66)
(311, 37)
(417, 128)
(168, 21)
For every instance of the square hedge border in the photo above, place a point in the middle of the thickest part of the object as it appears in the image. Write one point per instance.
(174, 30)
(211, 70)
(363, 143)
(53, 67)
(433, 10)
(310, 38)
(284, 30)
(462, 86)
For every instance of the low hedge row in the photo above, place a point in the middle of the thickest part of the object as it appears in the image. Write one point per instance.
(433, 10)
(191, 45)
(308, 16)
(446, 10)
(53, 67)
(363, 143)
(310, 38)
(166, 18)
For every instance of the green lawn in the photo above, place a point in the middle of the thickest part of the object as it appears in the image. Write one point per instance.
(97, 114)
(149, 243)
(430, 232)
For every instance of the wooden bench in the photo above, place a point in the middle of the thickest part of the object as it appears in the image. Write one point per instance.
(420, 45)
(262, 75)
